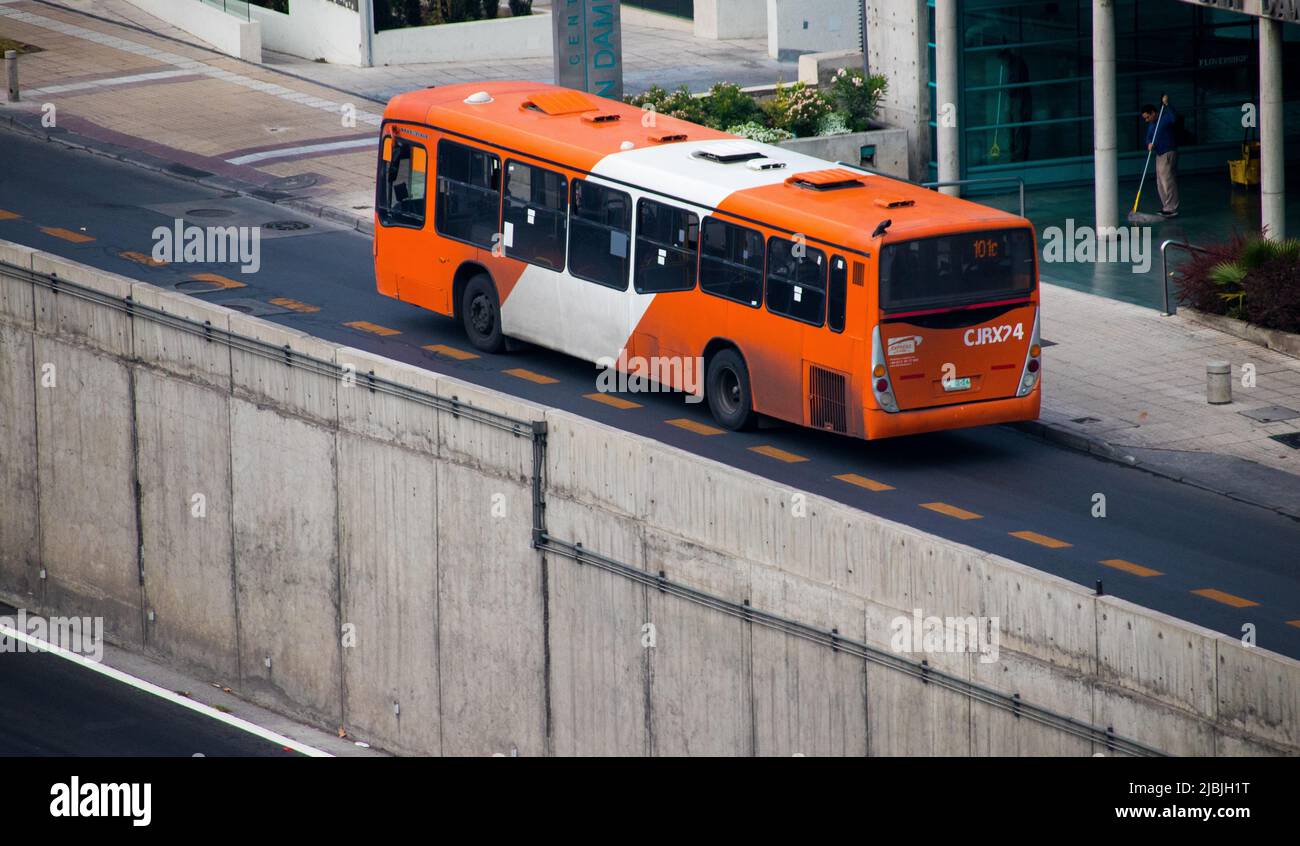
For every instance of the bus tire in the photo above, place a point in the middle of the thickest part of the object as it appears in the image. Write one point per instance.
(480, 314)
(726, 386)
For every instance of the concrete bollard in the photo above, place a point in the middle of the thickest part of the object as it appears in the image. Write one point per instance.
(11, 73)
(1218, 382)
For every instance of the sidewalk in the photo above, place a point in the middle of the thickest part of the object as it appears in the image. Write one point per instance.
(1121, 380)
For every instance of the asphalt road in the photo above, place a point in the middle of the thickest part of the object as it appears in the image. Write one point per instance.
(52, 706)
(1196, 540)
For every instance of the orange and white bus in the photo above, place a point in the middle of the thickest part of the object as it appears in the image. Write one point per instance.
(812, 293)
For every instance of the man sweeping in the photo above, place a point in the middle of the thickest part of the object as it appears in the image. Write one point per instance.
(1160, 140)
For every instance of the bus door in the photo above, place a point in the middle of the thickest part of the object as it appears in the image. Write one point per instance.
(593, 316)
(401, 205)
(534, 230)
(795, 299)
(957, 316)
(829, 355)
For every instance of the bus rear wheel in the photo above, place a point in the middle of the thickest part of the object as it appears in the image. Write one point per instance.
(726, 386)
(480, 312)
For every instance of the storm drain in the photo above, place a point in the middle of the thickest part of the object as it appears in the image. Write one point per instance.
(292, 183)
(256, 308)
(208, 213)
(1271, 414)
(1291, 439)
(286, 226)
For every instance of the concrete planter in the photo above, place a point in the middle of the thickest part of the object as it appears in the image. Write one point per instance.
(1274, 339)
(526, 37)
(890, 149)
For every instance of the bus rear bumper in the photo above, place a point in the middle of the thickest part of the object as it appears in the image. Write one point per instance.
(882, 424)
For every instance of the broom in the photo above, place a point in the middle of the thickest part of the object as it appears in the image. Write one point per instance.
(1135, 216)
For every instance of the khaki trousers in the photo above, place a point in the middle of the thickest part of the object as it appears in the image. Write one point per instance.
(1167, 180)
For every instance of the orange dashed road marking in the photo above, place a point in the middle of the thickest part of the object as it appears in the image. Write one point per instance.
(294, 305)
(372, 328)
(1130, 567)
(951, 510)
(1041, 540)
(538, 378)
(778, 454)
(450, 352)
(8, 215)
(1225, 598)
(141, 258)
(692, 426)
(66, 234)
(611, 400)
(224, 283)
(864, 482)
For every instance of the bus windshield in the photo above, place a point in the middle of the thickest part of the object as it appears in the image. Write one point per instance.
(954, 270)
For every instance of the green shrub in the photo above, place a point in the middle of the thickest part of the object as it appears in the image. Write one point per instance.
(856, 96)
(519, 8)
(797, 109)
(834, 123)
(727, 105)
(1250, 279)
(755, 131)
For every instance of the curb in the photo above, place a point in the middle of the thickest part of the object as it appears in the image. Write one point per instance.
(1056, 434)
(1061, 436)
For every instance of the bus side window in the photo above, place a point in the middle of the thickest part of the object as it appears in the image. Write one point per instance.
(403, 168)
(796, 281)
(600, 229)
(731, 262)
(535, 217)
(666, 241)
(837, 294)
(469, 194)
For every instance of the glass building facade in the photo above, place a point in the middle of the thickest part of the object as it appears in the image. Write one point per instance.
(1025, 79)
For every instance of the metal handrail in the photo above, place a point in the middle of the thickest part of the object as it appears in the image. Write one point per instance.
(1164, 267)
(983, 180)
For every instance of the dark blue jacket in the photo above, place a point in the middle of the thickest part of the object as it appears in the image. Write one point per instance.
(1161, 132)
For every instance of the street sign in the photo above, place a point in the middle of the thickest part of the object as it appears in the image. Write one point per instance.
(589, 46)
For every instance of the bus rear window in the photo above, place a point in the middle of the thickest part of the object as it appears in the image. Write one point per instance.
(952, 270)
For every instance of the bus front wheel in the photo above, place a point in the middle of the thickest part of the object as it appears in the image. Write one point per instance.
(480, 312)
(726, 386)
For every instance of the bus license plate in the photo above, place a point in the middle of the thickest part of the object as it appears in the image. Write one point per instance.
(962, 384)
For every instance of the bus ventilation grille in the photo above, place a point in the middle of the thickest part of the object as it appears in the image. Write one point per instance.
(826, 404)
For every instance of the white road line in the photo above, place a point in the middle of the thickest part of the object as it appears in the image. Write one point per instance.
(164, 693)
(108, 82)
(355, 143)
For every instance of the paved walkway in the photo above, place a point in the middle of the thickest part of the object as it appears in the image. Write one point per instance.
(1118, 374)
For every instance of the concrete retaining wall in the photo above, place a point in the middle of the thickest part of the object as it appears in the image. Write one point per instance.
(354, 558)
(232, 35)
(888, 156)
(313, 29)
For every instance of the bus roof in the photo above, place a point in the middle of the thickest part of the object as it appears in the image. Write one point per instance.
(692, 163)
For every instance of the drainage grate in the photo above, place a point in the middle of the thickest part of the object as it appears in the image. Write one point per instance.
(185, 170)
(206, 213)
(286, 225)
(1271, 414)
(1291, 439)
(292, 183)
(257, 308)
